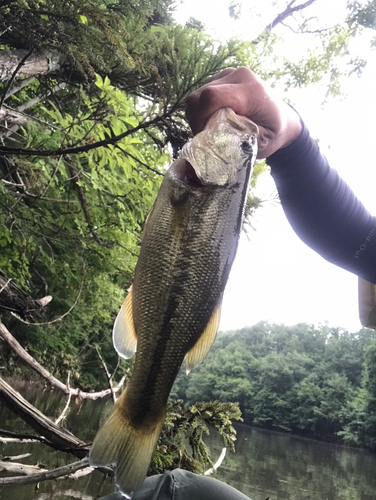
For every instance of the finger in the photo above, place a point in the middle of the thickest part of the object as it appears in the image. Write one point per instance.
(231, 75)
(220, 75)
(227, 76)
(210, 100)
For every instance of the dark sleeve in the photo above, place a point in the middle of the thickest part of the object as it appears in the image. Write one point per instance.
(322, 209)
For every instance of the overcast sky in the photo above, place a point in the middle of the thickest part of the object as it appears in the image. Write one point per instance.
(275, 276)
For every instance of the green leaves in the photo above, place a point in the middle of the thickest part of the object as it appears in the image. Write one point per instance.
(191, 425)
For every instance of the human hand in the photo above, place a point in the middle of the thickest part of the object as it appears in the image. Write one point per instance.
(240, 89)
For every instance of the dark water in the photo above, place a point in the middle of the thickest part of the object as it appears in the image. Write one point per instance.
(266, 464)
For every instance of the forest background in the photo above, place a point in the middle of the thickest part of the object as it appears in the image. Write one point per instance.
(92, 113)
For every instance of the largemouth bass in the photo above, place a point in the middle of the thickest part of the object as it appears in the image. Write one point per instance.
(172, 309)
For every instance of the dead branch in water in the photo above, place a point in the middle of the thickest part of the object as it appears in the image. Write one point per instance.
(66, 471)
(16, 468)
(10, 458)
(54, 382)
(57, 437)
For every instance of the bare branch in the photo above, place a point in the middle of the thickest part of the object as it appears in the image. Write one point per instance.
(107, 375)
(13, 116)
(65, 410)
(57, 436)
(217, 463)
(67, 470)
(23, 84)
(16, 468)
(288, 12)
(54, 382)
(6, 284)
(32, 102)
(10, 458)
(21, 438)
(37, 64)
(53, 320)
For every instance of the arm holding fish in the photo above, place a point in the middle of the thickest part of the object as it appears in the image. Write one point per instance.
(321, 207)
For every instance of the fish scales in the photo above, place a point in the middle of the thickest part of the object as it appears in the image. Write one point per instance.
(172, 311)
(183, 311)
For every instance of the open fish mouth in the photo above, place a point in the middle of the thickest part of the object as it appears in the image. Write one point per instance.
(184, 172)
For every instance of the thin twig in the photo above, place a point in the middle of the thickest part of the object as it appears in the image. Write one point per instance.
(6, 284)
(52, 176)
(64, 412)
(139, 161)
(23, 84)
(107, 374)
(56, 319)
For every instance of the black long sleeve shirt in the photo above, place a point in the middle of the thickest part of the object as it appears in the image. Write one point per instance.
(322, 209)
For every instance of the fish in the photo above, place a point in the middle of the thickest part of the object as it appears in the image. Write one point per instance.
(172, 309)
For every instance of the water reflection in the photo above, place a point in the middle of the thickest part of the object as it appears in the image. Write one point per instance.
(266, 464)
(281, 467)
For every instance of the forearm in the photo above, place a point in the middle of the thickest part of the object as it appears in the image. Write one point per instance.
(322, 209)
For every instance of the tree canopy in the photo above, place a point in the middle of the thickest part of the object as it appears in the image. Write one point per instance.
(313, 381)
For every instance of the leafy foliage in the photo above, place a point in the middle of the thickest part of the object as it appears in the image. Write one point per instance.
(189, 425)
(71, 223)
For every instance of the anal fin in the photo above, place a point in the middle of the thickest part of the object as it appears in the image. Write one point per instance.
(202, 346)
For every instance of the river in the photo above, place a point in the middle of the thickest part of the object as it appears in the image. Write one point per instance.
(266, 464)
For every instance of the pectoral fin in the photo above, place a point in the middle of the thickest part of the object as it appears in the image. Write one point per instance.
(124, 334)
(202, 346)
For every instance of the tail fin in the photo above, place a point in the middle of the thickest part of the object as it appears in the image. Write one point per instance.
(130, 448)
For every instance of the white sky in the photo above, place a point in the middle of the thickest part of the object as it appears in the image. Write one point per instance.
(275, 276)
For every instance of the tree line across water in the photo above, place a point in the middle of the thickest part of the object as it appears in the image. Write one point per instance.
(315, 381)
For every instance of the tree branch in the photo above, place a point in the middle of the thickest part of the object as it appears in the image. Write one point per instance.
(59, 437)
(18, 67)
(38, 64)
(16, 468)
(288, 12)
(82, 149)
(80, 190)
(67, 470)
(139, 161)
(54, 382)
(109, 378)
(53, 320)
(63, 414)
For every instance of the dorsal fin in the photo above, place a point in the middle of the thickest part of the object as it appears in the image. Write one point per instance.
(202, 346)
(124, 334)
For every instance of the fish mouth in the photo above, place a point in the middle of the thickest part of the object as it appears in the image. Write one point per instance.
(184, 172)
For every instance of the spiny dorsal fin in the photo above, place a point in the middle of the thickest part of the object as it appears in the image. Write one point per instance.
(124, 334)
(202, 346)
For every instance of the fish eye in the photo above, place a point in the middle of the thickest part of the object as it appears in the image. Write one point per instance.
(247, 147)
